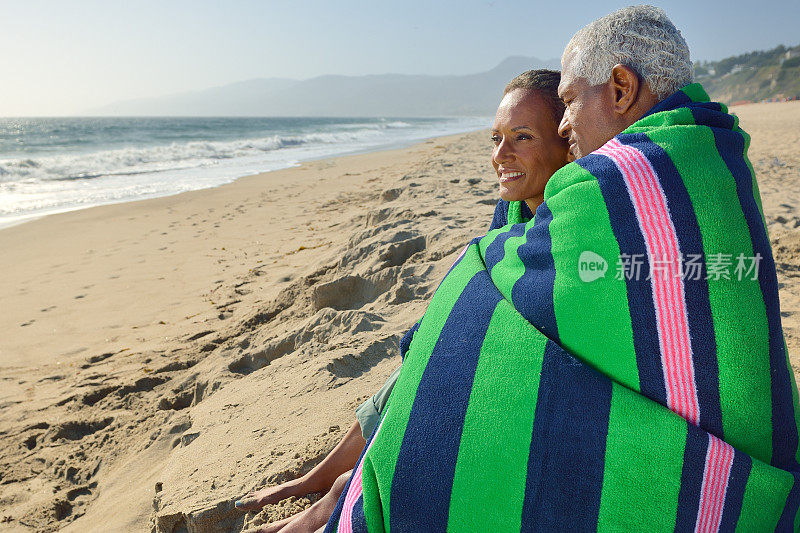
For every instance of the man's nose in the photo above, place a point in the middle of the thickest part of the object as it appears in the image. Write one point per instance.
(564, 128)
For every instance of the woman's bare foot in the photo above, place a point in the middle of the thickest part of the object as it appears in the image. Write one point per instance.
(321, 478)
(311, 519)
(257, 499)
(275, 527)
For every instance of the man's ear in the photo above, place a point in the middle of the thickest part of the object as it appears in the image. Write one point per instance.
(625, 84)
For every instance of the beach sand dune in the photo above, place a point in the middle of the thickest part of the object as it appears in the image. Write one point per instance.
(160, 358)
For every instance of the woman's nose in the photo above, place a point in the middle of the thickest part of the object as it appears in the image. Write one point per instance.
(502, 152)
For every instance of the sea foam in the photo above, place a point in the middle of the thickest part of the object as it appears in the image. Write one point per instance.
(54, 165)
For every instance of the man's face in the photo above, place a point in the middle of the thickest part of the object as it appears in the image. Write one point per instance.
(588, 121)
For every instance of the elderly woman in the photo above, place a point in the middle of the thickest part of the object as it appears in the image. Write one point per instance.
(527, 151)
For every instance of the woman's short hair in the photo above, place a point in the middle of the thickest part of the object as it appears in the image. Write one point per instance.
(640, 37)
(545, 83)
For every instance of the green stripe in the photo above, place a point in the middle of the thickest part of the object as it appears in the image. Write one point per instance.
(737, 307)
(499, 418)
(644, 458)
(509, 269)
(593, 318)
(489, 239)
(373, 513)
(696, 92)
(381, 459)
(764, 498)
(514, 215)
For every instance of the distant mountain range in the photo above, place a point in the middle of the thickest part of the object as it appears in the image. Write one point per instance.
(753, 76)
(748, 77)
(386, 95)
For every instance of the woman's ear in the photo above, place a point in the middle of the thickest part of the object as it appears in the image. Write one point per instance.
(625, 84)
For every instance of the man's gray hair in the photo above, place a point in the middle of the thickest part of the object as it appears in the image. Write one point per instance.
(640, 37)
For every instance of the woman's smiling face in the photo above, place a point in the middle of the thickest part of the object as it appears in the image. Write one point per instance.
(527, 147)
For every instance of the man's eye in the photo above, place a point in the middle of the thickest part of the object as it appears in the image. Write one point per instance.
(495, 139)
(523, 137)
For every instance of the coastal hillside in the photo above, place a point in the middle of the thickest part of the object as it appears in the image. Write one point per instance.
(752, 77)
(384, 95)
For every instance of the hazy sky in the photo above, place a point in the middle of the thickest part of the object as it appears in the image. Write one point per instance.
(62, 57)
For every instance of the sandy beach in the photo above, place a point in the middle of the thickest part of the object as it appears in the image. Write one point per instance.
(160, 358)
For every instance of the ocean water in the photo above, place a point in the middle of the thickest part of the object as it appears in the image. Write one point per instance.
(51, 165)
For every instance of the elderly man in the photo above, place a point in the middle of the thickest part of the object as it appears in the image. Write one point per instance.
(617, 362)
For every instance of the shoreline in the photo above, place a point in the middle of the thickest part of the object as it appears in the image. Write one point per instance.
(15, 220)
(44, 230)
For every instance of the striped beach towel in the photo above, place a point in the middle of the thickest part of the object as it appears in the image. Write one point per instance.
(616, 363)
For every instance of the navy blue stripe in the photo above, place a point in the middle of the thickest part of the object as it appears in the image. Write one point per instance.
(568, 445)
(497, 249)
(710, 114)
(500, 217)
(526, 212)
(730, 145)
(734, 496)
(698, 302)
(640, 293)
(359, 520)
(532, 294)
(426, 463)
(405, 342)
(786, 522)
(677, 99)
(694, 463)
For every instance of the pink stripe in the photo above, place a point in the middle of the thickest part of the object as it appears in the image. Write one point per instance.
(666, 334)
(670, 302)
(724, 479)
(671, 311)
(632, 159)
(669, 296)
(701, 524)
(719, 461)
(355, 490)
(707, 510)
